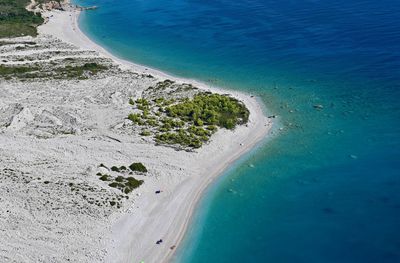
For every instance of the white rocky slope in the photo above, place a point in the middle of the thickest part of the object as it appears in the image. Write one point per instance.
(54, 134)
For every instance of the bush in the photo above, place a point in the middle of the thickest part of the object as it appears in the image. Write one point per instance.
(131, 184)
(134, 117)
(145, 133)
(211, 109)
(120, 179)
(212, 128)
(104, 177)
(15, 20)
(72, 72)
(152, 122)
(138, 167)
(18, 71)
(116, 185)
(188, 122)
(115, 169)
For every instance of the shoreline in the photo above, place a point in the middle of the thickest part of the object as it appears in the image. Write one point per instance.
(196, 202)
(80, 39)
(174, 224)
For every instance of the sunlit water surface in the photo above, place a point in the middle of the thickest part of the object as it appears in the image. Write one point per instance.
(327, 188)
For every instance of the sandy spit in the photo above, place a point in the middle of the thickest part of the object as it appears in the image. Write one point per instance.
(133, 234)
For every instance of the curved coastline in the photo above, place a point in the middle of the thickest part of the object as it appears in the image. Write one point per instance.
(64, 25)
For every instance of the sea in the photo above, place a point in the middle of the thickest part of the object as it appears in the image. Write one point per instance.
(325, 188)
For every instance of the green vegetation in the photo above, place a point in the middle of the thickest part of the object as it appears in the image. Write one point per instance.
(210, 109)
(188, 122)
(164, 84)
(138, 167)
(145, 133)
(67, 72)
(15, 20)
(16, 71)
(115, 169)
(181, 137)
(125, 184)
(136, 118)
(80, 72)
(119, 179)
(105, 177)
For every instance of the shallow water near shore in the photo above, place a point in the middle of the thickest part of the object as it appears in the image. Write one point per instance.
(327, 188)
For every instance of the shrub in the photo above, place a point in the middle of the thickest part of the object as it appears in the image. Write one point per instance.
(145, 133)
(198, 122)
(142, 104)
(15, 20)
(152, 122)
(115, 169)
(212, 128)
(190, 121)
(134, 117)
(131, 184)
(116, 185)
(16, 70)
(119, 179)
(104, 177)
(138, 167)
(211, 109)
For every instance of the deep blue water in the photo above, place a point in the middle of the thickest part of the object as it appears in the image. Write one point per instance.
(327, 188)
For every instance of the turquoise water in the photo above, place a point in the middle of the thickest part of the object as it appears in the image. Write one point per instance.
(327, 189)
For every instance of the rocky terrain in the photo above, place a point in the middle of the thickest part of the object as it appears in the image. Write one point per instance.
(58, 133)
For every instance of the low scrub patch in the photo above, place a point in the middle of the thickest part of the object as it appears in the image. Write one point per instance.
(187, 122)
(138, 167)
